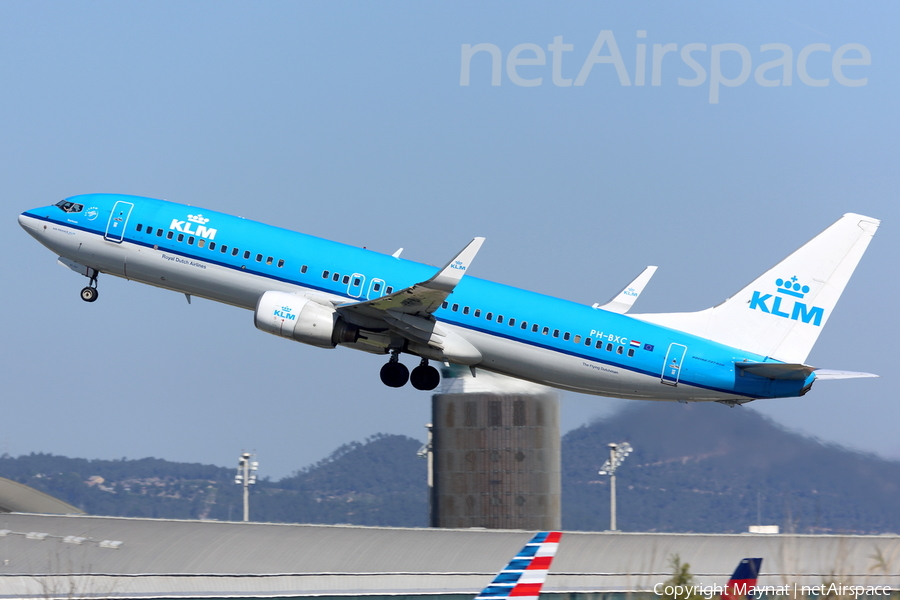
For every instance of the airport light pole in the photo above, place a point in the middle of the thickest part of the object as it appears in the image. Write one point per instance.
(246, 476)
(427, 452)
(617, 454)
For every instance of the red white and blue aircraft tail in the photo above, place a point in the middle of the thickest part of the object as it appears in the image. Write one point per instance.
(523, 577)
(743, 582)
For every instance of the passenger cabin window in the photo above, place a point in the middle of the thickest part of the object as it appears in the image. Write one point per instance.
(556, 333)
(619, 350)
(259, 258)
(455, 307)
(139, 227)
(149, 231)
(346, 279)
(280, 262)
(201, 242)
(534, 328)
(212, 245)
(169, 235)
(377, 288)
(599, 344)
(588, 341)
(303, 269)
(477, 312)
(444, 304)
(190, 240)
(499, 318)
(631, 352)
(609, 347)
(545, 331)
(512, 322)
(234, 251)
(159, 232)
(335, 277)
(180, 237)
(246, 254)
(389, 290)
(356, 281)
(489, 316)
(577, 339)
(465, 310)
(567, 336)
(269, 260)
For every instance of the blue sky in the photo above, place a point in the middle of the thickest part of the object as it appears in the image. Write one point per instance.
(348, 121)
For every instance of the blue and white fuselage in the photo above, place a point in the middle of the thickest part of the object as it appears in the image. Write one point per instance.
(325, 293)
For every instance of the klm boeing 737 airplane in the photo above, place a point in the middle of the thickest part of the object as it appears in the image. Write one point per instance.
(753, 345)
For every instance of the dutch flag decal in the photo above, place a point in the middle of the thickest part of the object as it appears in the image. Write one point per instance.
(523, 577)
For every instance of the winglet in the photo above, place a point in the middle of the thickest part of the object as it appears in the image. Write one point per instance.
(524, 576)
(454, 270)
(623, 301)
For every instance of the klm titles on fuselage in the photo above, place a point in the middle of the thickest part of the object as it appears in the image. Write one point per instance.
(202, 230)
(780, 306)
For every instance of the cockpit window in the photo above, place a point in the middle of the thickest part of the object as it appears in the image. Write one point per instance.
(70, 207)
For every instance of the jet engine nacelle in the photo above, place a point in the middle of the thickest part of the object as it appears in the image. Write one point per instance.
(303, 320)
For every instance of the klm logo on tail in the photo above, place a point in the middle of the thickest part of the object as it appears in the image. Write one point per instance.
(786, 303)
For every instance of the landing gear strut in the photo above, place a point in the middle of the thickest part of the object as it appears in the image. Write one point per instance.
(394, 373)
(425, 377)
(90, 293)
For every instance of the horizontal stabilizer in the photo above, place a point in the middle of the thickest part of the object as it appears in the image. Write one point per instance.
(794, 372)
(829, 374)
(623, 301)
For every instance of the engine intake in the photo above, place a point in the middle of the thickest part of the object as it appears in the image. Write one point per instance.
(303, 320)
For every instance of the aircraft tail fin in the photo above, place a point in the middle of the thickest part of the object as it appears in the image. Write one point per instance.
(782, 312)
(744, 580)
(524, 576)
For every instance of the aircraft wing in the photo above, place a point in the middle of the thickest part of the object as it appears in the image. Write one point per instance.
(409, 312)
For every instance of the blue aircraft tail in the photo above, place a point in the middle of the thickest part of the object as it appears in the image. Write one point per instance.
(742, 583)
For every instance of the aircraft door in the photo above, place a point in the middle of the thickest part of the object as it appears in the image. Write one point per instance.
(118, 220)
(671, 372)
(376, 289)
(356, 285)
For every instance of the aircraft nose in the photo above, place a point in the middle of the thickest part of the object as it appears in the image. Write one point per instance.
(28, 223)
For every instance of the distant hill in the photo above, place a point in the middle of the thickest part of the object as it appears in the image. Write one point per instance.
(695, 468)
(378, 482)
(708, 468)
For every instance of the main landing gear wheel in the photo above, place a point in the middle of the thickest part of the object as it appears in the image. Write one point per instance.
(425, 377)
(394, 374)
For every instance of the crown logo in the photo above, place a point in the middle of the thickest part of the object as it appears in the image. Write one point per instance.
(791, 287)
(198, 219)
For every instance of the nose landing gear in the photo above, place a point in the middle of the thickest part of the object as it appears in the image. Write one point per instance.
(90, 293)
